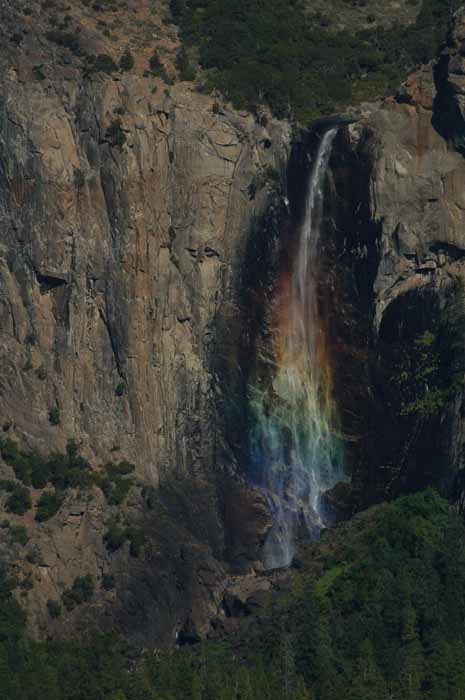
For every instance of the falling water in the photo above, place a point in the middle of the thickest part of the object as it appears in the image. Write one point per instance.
(296, 450)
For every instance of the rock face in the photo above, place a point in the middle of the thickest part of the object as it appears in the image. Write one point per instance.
(125, 210)
(116, 260)
(398, 248)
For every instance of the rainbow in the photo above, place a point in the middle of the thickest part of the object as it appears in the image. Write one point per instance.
(296, 448)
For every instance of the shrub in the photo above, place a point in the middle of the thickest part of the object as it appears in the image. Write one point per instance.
(62, 470)
(72, 451)
(186, 71)
(27, 583)
(114, 485)
(40, 471)
(29, 467)
(70, 470)
(136, 538)
(104, 64)
(19, 502)
(54, 416)
(66, 39)
(48, 506)
(264, 177)
(33, 556)
(157, 67)
(54, 608)
(114, 538)
(108, 582)
(19, 534)
(41, 373)
(272, 175)
(38, 73)
(81, 592)
(10, 451)
(115, 469)
(78, 178)
(126, 61)
(106, 486)
(115, 134)
(119, 492)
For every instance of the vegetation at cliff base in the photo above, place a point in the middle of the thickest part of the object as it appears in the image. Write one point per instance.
(279, 54)
(376, 610)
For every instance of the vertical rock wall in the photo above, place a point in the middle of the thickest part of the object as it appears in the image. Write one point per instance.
(125, 210)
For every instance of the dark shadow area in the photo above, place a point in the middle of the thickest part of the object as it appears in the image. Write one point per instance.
(447, 118)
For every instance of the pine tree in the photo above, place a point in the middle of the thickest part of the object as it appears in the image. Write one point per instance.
(367, 681)
(412, 657)
(288, 668)
(244, 685)
(197, 687)
(301, 690)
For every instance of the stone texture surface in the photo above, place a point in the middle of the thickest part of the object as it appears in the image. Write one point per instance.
(400, 233)
(110, 288)
(124, 212)
(417, 191)
(417, 196)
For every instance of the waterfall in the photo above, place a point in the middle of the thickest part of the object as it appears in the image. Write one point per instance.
(296, 451)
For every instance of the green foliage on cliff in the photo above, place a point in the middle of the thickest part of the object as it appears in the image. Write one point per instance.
(278, 54)
(54, 609)
(376, 611)
(115, 482)
(126, 61)
(19, 501)
(81, 592)
(54, 416)
(49, 504)
(428, 369)
(116, 536)
(65, 39)
(64, 471)
(115, 134)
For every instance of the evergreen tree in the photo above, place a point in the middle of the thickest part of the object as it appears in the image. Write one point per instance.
(367, 682)
(411, 675)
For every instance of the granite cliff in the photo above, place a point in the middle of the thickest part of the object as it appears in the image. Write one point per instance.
(397, 241)
(125, 210)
